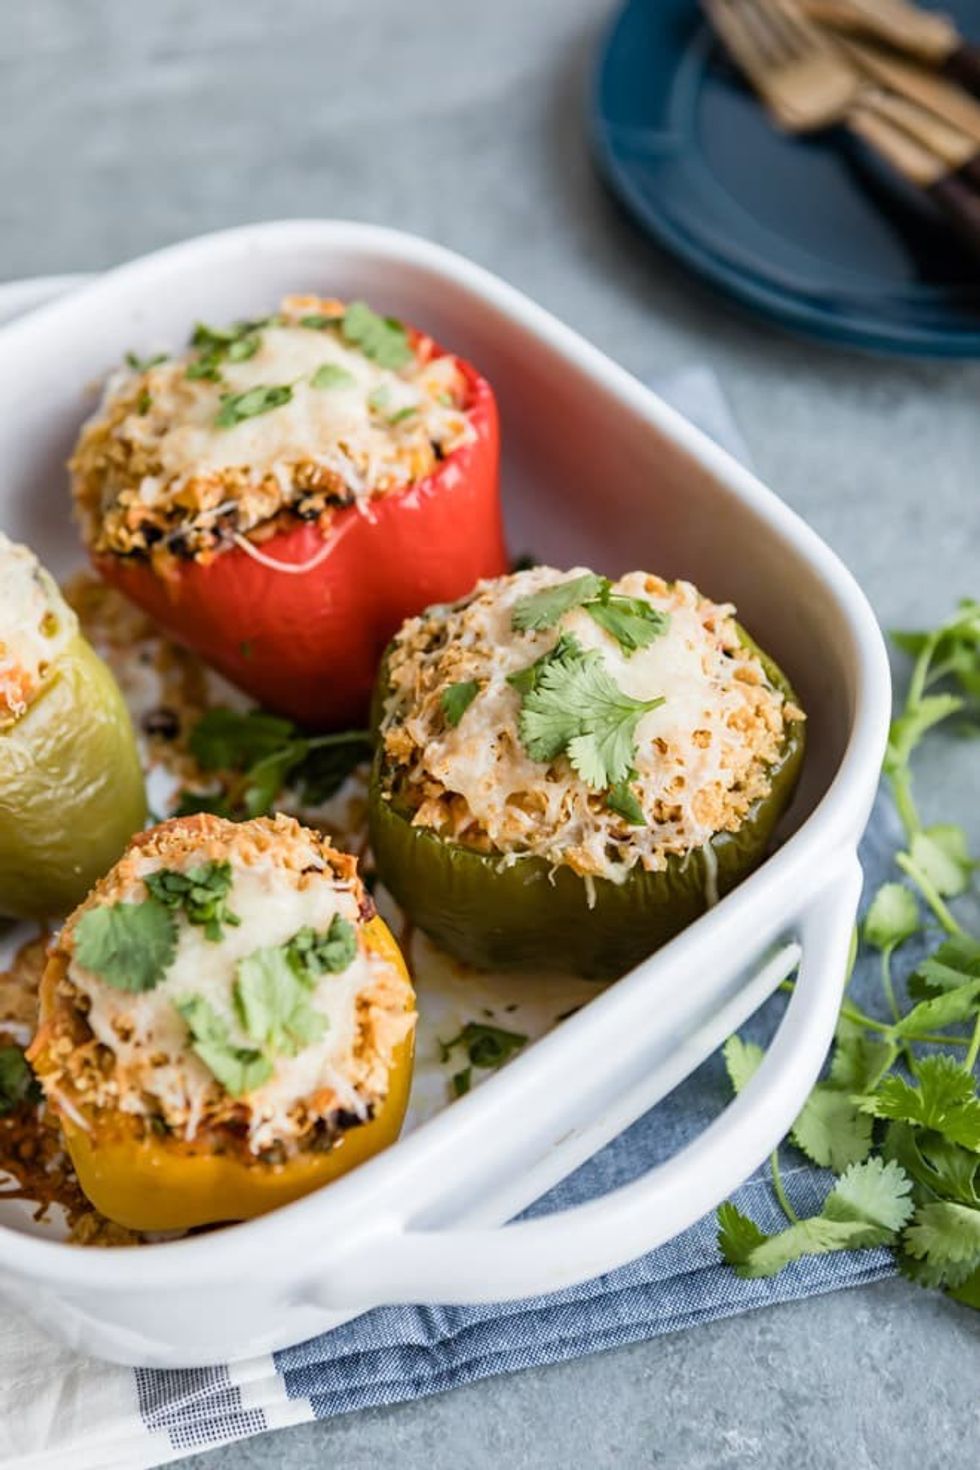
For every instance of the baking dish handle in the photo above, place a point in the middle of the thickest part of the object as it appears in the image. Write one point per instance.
(460, 1263)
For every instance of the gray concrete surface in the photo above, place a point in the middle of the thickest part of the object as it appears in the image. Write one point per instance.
(126, 126)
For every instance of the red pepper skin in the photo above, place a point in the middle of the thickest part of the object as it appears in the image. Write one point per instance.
(307, 645)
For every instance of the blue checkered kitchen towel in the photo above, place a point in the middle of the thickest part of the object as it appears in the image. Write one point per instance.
(58, 1409)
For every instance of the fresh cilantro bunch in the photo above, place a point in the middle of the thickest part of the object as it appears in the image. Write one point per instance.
(259, 755)
(898, 1117)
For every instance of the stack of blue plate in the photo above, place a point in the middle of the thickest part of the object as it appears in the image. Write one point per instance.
(812, 232)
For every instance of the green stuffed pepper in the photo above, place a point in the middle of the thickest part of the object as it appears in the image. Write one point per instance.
(71, 788)
(569, 770)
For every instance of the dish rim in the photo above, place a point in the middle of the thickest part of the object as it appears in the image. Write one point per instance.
(832, 827)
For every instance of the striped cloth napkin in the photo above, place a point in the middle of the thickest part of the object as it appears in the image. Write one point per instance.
(59, 1409)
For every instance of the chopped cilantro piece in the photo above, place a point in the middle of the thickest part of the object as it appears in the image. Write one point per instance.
(239, 1069)
(128, 945)
(201, 892)
(272, 1002)
(621, 799)
(381, 338)
(143, 364)
(332, 375)
(17, 1082)
(312, 954)
(457, 698)
(236, 407)
(633, 622)
(544, 609)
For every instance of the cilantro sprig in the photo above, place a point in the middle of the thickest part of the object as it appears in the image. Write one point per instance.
(572, 706)
(897, 1118)
(632, 621)
(258, 755)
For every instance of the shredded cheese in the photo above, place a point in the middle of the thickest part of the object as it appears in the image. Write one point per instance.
(36, 625)
(158, 470)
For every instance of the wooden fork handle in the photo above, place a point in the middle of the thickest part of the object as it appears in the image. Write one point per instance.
(963, 66)
(952, 190)
(960, 202)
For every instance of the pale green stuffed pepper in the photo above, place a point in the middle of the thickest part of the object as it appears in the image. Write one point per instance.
(71, 787)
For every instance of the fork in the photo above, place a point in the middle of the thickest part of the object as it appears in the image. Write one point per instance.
(808, 84)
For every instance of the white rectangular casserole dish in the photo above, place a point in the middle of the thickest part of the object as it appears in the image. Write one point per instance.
(599, 471)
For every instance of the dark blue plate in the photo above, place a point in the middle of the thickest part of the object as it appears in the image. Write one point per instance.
(812, 233)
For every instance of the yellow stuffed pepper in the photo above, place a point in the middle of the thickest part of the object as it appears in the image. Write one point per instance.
(226, 1024)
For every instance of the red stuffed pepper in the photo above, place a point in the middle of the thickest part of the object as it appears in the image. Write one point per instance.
(283, 494)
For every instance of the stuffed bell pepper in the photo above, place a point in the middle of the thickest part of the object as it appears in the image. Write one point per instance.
(569, 770)
(71, 788)
(225, 1024)
(284, 493)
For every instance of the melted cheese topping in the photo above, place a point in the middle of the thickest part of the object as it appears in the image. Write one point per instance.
(36, 625)
(702, 757)
(154, 469)
(156, 1071)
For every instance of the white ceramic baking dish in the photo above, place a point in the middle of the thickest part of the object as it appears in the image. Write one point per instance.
(597, 470)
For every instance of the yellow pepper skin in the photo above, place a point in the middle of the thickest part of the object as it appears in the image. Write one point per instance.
(159, 1183)
(71, 788)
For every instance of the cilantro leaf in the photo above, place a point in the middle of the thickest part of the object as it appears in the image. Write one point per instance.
(273, 754)
(875, 1193)
(17, 1081)
(910, 726)
(544, 609)
(945, 1009)
(621, 799)
(946, 1236)
(143, 364)
(565, 651)
(228, 739)
(236, 407)
(128, 945)
(575, 707)
(738, 1235)
(332, 375)
(457, 698)
(312, 954)
(742, 1060)
(317, 321)
(381, 338)
(239, 1069)
(892, 918)
(954, 963)
(632, 621)
(272, 1002)
(201, 892)
(943, 1099)
(485, 1046)
(859, 1062)
(831, 1130)
(940, 853)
